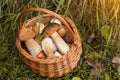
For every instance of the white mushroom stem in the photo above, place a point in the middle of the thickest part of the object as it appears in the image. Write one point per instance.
(33, 47)
(58, 54)
(42, 26)
(48, 47)
(60, 43)
(50, 52)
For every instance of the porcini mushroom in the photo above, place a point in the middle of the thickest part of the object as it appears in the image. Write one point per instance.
(60, 43)
(48, 47)
(26, 34)
(33, 47)
(51, 28)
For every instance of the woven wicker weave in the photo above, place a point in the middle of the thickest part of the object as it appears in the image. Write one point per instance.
(56, 67)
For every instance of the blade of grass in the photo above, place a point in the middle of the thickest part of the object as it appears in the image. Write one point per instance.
(97, 15)
(68, 5)
(61, 2)
(39, 20)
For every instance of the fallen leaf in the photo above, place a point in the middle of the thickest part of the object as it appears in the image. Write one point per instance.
(76, 78)
(91, 37)
(116, 60)
(105, 31)
(91, 62)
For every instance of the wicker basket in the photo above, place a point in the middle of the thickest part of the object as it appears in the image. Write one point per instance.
(56, 67)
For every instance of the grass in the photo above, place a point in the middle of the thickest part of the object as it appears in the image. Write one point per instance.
(89, 16)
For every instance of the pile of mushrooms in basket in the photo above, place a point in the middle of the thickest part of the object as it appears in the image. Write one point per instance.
(47, 40)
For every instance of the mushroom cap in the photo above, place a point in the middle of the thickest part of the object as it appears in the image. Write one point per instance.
(61, 32)
(41, 55)
(54, 20)
(68, 38)
(45, 19)
(26, 34)
(35, 29)
(51, 28)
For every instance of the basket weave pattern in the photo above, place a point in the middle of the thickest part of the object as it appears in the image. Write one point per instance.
(55, 67)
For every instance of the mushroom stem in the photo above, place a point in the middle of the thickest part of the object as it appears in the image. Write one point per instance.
(60, 43)
(50, 52)
(48, 47)
(33, 47)
(57, 54)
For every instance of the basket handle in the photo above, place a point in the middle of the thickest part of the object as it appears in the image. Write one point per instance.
(45, 11)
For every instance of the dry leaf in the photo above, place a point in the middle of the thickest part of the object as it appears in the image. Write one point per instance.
(90, 39)
(116, 60)
(91, 62)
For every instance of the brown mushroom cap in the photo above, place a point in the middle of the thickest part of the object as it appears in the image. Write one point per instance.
(26, 34)
(61, 32)
(51, 28)
(45, 19)
(35, 29)
(68, 38)
(41, 55)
